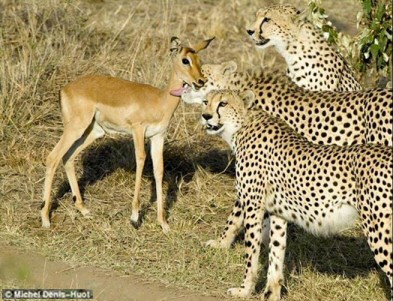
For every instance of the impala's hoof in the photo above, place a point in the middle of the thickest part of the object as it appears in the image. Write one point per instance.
(86, 213)
(45, 220)
(165, 228)
(45, 224)
(135, 220)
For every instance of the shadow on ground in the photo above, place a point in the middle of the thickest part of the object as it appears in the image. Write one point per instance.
(180, 163)
(325, 255)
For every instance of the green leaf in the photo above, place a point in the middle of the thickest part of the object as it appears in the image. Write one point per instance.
(374, 50)
(326, 28)
(382, 40)
(380, 12)
(381, 63)
(367, 7)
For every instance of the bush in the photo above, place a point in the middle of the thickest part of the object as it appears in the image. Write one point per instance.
(370, 51)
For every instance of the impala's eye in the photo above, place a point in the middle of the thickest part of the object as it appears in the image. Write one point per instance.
(222, 104)
(185, 61)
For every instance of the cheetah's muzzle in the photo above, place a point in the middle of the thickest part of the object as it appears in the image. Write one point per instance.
(262, 41)
(213, 128)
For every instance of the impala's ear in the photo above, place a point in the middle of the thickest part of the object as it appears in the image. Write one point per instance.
(228, 67)
(175, 46)
(248, 98)
(202, 45)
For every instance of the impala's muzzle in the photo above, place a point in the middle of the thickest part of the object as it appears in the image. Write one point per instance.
(198, 84)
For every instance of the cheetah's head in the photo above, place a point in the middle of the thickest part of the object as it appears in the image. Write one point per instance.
(224, 112)
(217, 77)
(274, 26)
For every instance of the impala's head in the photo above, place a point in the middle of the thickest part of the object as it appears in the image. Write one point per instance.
(186, 64)
(273, 26)
(218, 76)
(224, 111)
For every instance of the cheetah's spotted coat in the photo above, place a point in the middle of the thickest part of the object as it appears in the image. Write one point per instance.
(321, 188)
(323, 117)
(312, 62)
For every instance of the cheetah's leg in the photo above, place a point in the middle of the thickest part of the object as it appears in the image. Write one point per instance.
(277, 245)
(253, 236)
(374, 203)
(379, 238)
(266, 229)
(232, 228)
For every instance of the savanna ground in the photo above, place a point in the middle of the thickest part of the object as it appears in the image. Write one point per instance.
(44, 45)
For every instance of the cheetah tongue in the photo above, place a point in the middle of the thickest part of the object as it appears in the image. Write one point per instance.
(179, 91)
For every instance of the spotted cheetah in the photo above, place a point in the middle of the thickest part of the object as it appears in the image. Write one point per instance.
(312, 62)
(323, 189)
(323, 117)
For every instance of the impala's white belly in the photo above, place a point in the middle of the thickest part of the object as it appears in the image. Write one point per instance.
(155, 129)
(126, 128)
(111, 127)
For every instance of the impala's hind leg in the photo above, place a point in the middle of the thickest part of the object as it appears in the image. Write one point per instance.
(156, 151)
(140, 157)
(75, 125)
(93, 132)
(72, 132)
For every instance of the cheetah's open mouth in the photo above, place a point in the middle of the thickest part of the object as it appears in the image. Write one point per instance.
(213, 128)
(262, 41)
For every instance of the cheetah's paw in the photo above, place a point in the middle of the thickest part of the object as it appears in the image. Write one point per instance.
(217, 244)
(239, 292)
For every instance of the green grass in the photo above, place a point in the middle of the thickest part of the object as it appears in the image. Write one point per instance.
(45, 44)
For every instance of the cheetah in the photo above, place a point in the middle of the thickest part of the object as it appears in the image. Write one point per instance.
(312, 63)
(323, 189)
(323, 117)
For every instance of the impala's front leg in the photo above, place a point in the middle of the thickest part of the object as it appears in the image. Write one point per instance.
(277, 246)
(140, 156)
(157, 149)
(253, 237)
(232, 228)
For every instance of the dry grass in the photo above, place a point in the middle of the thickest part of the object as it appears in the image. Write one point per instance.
(43, 45)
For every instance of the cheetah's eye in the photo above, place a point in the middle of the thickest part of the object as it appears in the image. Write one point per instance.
(204, 102)
(222, 104)
(185, 61)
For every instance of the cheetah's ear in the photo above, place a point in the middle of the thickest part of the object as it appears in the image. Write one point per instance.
(248, 98)
(300, 16)
(228, 67)
(175, 46)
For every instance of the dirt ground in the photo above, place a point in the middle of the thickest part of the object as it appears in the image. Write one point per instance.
(27, 269)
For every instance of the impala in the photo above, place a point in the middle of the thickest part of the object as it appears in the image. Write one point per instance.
(95, 105)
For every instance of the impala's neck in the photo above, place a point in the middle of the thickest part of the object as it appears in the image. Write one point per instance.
(169, 101)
